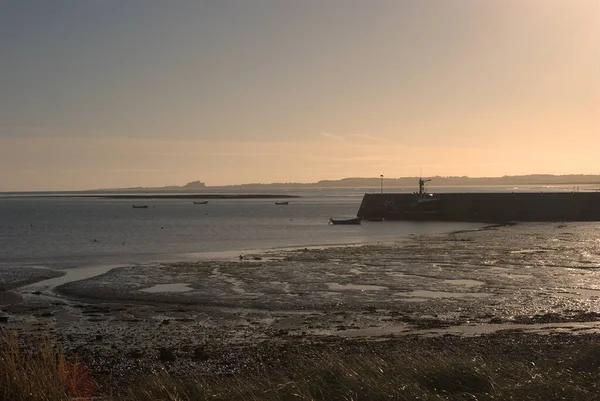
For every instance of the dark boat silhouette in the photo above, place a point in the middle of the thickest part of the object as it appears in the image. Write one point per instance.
(140, 206)
(282, 203)
(356, 220)
(201, 202)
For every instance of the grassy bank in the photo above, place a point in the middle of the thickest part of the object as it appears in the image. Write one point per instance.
(40, 371)
(516, 367)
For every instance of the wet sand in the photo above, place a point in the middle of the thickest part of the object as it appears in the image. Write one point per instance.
(480, 286)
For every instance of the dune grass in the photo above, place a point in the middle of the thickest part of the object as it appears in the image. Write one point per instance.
(40, 372)
(388, 372)
(396, 375)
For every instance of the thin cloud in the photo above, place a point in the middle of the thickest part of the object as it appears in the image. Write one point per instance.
(372, 138)
(242, 154)
(329, 135)
(366, 158)
(23, 130)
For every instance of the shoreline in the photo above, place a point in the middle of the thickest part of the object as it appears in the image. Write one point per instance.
(220, 255)
(468, 288)
(167, 196)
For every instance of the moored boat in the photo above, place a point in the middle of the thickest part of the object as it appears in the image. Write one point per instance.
(200, 202)
(282, 203)
(356, 220)
(140, 206)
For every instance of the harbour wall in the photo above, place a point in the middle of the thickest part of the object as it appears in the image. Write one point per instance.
(483, 207)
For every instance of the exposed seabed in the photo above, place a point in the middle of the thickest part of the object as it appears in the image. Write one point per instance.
(531, 278)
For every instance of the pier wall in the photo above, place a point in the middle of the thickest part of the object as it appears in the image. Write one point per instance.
(484, 207)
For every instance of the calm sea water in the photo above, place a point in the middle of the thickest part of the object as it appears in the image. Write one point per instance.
(77, 232)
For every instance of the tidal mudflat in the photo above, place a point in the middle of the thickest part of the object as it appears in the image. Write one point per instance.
(479, 287)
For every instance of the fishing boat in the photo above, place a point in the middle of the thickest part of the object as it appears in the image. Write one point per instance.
(423, 196)
(282, 203)
(200, 202)
(356, 220)
(140, 206)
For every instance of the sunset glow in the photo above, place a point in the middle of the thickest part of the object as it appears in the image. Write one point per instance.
(150, 93)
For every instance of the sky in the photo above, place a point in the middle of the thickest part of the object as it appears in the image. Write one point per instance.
(114, 93)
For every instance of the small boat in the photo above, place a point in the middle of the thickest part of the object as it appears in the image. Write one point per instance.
(422, 195)
(200, 202)
(356, 220)
(282, 203)
(140, 206)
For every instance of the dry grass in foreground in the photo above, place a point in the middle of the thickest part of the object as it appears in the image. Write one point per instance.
(389, 371)
(394, 376)
(40, 373)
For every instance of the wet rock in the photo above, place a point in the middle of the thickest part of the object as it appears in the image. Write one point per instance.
(135, 354)
(200, 355)
(166, 355)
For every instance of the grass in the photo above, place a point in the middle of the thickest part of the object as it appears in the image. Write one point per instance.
(364, 372)
(397, 374)
(40, 373)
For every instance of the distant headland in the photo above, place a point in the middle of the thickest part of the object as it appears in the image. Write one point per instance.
(368, 182)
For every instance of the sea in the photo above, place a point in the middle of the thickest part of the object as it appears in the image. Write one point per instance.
(64, 232)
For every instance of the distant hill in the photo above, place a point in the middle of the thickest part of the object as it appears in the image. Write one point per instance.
(359, 182)
(373, 182)
(194, 185)
(199, 185)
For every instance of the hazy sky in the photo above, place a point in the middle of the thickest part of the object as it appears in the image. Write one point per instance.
(114, 93)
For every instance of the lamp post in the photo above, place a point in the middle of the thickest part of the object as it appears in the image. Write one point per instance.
(381, 176)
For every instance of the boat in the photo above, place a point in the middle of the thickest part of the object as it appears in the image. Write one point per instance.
(422, 195)
(140, 206)
(200, 202)
(282, 203)
(356, 220)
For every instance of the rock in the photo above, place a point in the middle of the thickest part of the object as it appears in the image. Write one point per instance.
(3, 319)
(200, 355)
(166, 321)
(135, 354)
(98, 337)
(166, 355)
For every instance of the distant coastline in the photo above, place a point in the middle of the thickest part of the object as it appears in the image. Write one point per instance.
(351, 182)
(183, 196)
(367, 182)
